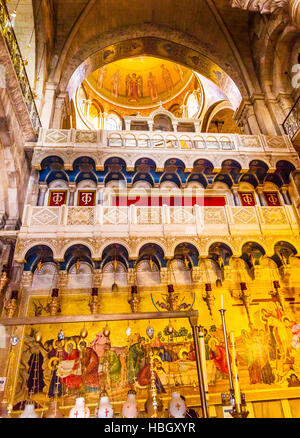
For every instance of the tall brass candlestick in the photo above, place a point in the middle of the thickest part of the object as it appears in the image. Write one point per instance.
(203, 360)
(236, 377)
(222, 311)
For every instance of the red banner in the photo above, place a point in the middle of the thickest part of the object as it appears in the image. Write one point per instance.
(86, 199)
(247, 199)
(171, 201)
(272, 199)
(57, 198)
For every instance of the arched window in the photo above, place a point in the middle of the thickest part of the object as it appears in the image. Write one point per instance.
(113, 122)
(115, 140)
(158, 141)
(193, 105)
(143, 141)
(162, 123)
(94, 116)
(130, 141)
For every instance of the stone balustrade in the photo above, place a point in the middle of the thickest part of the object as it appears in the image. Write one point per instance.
(61, 138)
(11, 49)
(181, 221)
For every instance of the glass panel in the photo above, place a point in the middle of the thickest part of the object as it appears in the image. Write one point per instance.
(295, 407)
(268, 409)
(171, 144)
(143, 143)
(200, 144)
(212, 145)
(158, 142)
(115, 142)
(227, 145)
(130, 142)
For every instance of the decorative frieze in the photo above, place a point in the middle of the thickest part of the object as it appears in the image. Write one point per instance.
(274, 216)
(45, 216)
(81, 216)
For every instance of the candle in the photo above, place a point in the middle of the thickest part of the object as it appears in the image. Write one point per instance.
(134, 290)
(54, 293)
(14, 295)
(221, 302)
(170, 288)
(203, 361)
(94, 292)
(243, 286)
(235, 372)
(207, 287)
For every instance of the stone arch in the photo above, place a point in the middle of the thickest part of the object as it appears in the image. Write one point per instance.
(147, 242)
(50, 159)
(292, 244)
(263, 160)
(123, 160)
(22, 254)
(122, 246)
(220, 251)
(188, 251)
(245, 240)
(182, 240)
(88, 245)
(90, 55)
(37, 255)
(221, 112)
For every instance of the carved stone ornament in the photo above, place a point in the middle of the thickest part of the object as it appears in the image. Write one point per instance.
(261, 6)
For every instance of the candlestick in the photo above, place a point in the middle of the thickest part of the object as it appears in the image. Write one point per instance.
(203, 360)
(134, 300)
(54, 306)
(235, 372)
(11, 305)
(209, 298)
(94, 303)
(171, 298)
(222, 311)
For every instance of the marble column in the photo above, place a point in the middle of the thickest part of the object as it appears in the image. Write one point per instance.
(59, 106)
(236, 196)
(285, 195)
(33, 189)
(263, 116)
(252, 123)
(42, 194)
(48, 107)
(72, 190)
(261, 196)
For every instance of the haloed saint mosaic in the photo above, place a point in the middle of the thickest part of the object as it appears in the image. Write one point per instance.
(73, 360)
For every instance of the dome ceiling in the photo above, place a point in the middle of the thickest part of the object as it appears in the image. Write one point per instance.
(140, 82)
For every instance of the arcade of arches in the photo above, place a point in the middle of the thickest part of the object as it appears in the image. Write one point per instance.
(150, 164)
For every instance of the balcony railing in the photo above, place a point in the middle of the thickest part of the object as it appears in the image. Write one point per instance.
(18, 64)
(192, 220)
(162, 140)
(291, 123)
